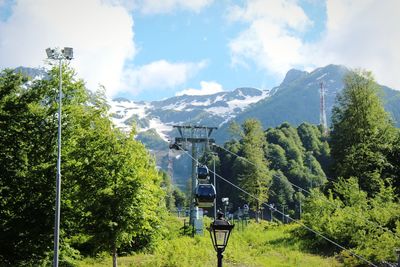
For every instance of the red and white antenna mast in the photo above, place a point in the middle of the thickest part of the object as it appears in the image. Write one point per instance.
(322, 113)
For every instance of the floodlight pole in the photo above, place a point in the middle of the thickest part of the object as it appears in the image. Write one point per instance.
(66, 53)
(58, 178)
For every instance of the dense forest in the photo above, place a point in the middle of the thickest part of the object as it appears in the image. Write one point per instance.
(344, 184)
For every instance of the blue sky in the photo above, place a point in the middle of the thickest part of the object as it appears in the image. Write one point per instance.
(152, 49)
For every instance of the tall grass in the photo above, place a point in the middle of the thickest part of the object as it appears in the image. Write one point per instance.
(261, 244)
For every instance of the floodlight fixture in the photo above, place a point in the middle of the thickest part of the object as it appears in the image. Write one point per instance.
(50, 53)
(68, 53)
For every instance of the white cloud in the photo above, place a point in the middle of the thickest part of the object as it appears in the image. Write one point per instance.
(270, 40)
(285, 13)
(101, 35)
(362, 33)
(359, 33)
(165, 6)
(159, 75)
(206, 88)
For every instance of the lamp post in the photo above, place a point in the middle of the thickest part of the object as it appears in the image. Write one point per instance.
(220, 231)
(54, 54)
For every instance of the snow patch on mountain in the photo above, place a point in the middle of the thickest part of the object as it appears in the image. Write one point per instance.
(213, 110)
(162, 129)
(122, 110)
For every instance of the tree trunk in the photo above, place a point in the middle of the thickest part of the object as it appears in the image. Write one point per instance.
(115, 264)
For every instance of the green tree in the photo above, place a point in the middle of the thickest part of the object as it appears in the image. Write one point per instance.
(111, 193)
(179, 197)
(168, 188)
(281, 191)
(114, 181)
(368, 226)
(362, 134)
(27, 170)
(253, 173)
(287, 153)
(314, 141)
(225, 166)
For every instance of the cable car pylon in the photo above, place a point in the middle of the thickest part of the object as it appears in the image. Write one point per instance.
(193, 135)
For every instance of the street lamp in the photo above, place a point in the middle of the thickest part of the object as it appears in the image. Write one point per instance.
(220, 231)
(55, 54)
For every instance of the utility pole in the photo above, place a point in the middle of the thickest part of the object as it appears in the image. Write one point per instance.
(193, 135)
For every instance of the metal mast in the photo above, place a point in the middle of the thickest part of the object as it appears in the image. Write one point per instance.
(193, 135)
(322, 113)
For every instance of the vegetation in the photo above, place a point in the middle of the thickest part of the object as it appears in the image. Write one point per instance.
(251, 168)
(345, 186)
(111, 195)
(295, 157)
(370, 227)
(359, 207)
(361, 211)
(362, 134)
(262, 244)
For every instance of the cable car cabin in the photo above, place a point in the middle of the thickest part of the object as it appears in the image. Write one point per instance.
(205, 195)
(202, 173)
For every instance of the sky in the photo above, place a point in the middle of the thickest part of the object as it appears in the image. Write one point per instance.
(153, 49)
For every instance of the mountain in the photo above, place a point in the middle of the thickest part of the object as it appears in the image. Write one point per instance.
(35, 73)
(158, 117)
(297, 99)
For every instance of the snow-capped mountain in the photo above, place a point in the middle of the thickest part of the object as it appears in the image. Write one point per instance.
(211, 110)
(297, 99)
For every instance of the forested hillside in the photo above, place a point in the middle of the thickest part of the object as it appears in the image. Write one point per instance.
(344, 184)
(297, 99)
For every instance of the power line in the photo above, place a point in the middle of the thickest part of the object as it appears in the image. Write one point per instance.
(308, 192)
(296, 221)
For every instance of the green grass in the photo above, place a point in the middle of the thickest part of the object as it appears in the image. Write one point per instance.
(256, 245)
